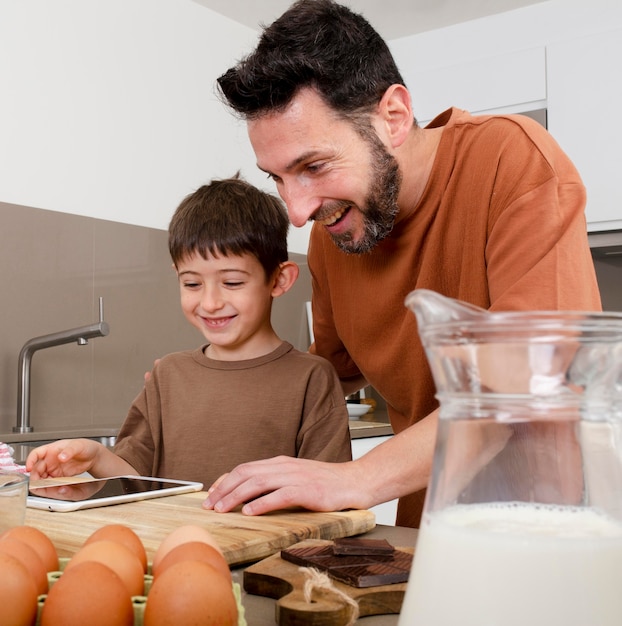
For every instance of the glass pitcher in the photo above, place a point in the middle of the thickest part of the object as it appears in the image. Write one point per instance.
(522, 524)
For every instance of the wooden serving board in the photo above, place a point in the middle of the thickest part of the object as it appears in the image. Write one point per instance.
(276, 578)
(242, 538)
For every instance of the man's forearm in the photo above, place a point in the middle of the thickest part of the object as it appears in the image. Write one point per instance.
(403, 464)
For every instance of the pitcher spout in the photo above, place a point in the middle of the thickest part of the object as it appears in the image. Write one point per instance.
(431, 307)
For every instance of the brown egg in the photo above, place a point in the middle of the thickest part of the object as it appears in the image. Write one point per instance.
(18, 594)
(123, 535)
(121, 560)
(29, 559)
(194, 551)
(191, 592)
(183, 534)
(88, 594)
(38, 540)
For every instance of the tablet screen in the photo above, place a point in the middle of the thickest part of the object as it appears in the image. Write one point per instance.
(101, 488)
(105, 491)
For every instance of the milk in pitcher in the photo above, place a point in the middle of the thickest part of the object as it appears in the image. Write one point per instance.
(516, 564)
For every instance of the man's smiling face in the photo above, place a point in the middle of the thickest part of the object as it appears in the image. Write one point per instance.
(329, 170)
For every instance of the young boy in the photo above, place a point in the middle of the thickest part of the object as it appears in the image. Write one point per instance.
(245, 394)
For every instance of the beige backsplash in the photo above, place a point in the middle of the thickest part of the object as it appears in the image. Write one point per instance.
(55, 267)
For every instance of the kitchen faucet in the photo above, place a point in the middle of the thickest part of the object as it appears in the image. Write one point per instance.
(80, 335)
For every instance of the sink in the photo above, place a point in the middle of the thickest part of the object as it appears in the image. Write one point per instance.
(22, 449)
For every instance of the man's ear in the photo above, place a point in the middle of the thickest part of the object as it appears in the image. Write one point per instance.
(286, 275)
(395, 115)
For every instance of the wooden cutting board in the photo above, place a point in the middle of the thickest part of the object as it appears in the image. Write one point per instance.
(242, 538)
(276, 578)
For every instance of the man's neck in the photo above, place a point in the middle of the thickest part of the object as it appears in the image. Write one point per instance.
(416, 158)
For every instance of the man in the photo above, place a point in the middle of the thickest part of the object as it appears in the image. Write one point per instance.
(487, 210)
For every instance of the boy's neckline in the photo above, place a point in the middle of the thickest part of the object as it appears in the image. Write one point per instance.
(274, 345)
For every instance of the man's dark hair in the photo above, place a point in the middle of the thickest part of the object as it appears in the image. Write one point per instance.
(230, 217)
(319, 44)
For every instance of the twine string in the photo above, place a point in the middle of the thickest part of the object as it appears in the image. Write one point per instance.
(314, 579)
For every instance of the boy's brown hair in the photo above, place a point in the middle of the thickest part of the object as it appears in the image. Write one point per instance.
(230, 217)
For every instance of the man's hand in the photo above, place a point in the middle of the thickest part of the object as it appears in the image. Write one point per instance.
(393, 469)
(284, 482)
(147, 375)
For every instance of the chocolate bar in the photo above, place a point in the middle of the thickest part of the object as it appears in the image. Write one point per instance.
(354, 570)
(357, 545)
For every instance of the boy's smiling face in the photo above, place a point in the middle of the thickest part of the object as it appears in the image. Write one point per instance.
(228, 299)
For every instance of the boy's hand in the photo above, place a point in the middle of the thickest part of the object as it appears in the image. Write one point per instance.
(66, 457)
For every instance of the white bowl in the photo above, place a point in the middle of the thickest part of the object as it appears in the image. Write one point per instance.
(357, 410)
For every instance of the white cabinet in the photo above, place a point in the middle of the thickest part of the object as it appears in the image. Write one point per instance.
(385, 512)
(512, 82)
(584, 96)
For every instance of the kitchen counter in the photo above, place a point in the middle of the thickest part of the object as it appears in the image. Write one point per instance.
(23, 443)
(373, 424)
(52, 434)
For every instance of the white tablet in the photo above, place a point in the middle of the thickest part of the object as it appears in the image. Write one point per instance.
(104, 492)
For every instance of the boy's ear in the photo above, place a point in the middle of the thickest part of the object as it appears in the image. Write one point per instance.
(286, 276)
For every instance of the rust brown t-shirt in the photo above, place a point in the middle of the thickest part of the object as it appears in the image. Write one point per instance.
(500, 224)
(198, 418)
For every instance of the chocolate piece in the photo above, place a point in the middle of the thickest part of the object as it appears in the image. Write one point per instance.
(355, 570)
(357, 545)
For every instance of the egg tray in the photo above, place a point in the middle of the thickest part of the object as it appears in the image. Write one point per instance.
(138, 602)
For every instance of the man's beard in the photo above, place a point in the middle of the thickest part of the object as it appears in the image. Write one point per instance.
(380, 208)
